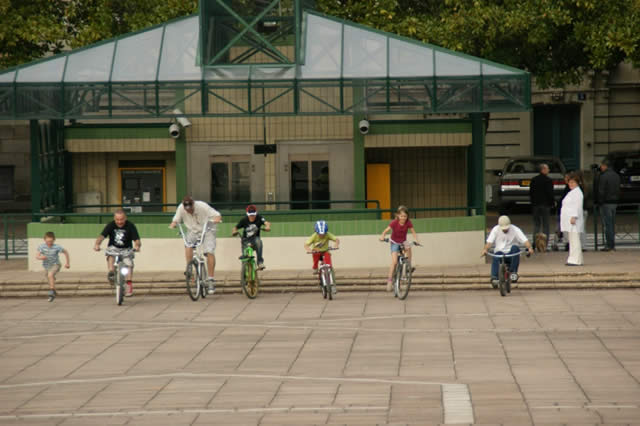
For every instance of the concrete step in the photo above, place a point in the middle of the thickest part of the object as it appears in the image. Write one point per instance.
(307, 283)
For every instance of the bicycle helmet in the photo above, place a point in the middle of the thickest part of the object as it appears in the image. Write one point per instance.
(321, 227)
(252, 210)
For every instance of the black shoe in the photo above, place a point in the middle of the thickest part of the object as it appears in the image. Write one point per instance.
(606, 249)
(52, 295)
(111, 276)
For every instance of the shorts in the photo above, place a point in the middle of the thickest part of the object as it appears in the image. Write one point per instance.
(55, 268)
(209, 243)
(115, 251)
(396, 247)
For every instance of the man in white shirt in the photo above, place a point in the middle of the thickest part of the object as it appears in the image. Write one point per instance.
(503, 236)
(196, 215)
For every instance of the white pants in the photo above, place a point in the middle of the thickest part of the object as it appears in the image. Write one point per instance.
(575, 249)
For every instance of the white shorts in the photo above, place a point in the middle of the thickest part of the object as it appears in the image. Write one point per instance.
(209, 243)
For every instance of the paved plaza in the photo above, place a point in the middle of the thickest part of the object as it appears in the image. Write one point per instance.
(542, 356)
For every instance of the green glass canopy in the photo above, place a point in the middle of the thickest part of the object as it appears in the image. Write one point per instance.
(333, 67)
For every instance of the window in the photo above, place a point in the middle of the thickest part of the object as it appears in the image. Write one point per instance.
(143, 185)
(309, 182)
(231, 181)
(6, 183)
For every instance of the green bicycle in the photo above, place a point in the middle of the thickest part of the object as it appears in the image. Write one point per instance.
(249, 271)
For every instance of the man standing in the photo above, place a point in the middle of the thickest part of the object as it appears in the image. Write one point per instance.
(541, 195)
(608, 196)
(123, 236)
(196, 215)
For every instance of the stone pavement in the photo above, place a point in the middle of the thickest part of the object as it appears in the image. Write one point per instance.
(533, 357)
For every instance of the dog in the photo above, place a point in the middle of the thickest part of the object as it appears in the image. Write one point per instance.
(541, 243)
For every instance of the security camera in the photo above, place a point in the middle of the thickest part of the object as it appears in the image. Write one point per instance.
(174, 131)
(364, 126)
(184, 122)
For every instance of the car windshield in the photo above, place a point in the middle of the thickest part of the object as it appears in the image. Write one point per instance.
(532, 166)
(629, 163)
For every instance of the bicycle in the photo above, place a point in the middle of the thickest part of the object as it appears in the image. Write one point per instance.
(249, 271)
(326, 277)
(505, 276)
(196, 284)
(402, 273)
(122, 264)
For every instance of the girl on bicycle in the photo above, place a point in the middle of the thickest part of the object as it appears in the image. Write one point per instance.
(318, 244)
(398, 227)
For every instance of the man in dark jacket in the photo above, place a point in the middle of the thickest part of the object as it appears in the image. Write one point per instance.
(541, 194)
(608, 196)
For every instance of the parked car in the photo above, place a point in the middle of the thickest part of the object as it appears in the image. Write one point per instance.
(627, 165)
(516, 175)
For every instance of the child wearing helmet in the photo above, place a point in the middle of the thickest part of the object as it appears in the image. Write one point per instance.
(399, 228)
(318, 244)
(251, 225)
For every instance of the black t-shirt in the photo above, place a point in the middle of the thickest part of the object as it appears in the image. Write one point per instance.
(121, 237)
(251, 229)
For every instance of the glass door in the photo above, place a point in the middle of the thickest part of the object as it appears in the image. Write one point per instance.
(309, 182)
(230, 181)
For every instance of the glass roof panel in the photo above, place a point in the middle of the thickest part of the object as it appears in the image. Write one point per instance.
(43, 72)
(323, 55)
(180, 50)
(7, 77)
(493, 70)
(365, 53)
(236, 73)
(451, 65)
(409, 60)
(273, 73)
(93, 64)
(137, 57)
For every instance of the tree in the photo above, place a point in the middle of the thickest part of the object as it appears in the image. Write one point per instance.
(556, 40)
(32, 29)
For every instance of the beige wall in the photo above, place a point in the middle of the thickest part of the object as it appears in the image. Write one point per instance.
(447, 248)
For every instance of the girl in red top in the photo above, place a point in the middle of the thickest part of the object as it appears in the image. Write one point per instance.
(398, 227)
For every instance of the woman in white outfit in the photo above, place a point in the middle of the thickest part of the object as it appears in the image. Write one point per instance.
(572, 220)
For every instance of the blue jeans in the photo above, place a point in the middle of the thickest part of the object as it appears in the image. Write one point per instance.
(608, 215)
(513, 262)
(257, 245)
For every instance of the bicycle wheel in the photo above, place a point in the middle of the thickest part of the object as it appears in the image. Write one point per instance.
(249, 279)
(323, 285)
(326, 276)
(405, 281)
(191, 280)
(502, 279)
(202, 282)
(119, 286)
(397, 277)
(507, 279)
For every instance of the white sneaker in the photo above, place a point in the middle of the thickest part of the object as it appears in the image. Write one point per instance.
(212, 286)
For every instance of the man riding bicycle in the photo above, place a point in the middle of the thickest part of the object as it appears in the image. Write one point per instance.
(251, 225)
(196, 215)
(504, 235)
(122, 234)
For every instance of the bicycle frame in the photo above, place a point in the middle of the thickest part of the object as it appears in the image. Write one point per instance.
(504, 271)
(199, 261)
(325, 275)
(403, 267)
(122, 264)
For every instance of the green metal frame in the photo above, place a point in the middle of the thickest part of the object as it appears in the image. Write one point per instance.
(50, 168)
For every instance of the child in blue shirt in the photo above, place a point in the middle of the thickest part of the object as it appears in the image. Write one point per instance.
(49, 253)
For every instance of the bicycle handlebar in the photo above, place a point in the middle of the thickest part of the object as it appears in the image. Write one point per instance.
(415, 243)
(508, 255)
(329, 249)
(197, 242)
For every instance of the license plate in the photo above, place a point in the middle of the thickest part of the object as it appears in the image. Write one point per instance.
(525, 183)
(634, 178)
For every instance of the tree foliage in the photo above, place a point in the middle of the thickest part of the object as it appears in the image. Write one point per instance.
(31, 29)
(556, 40)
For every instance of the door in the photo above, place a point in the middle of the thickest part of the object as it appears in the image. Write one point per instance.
(143, 186)
(556, 131)
(231, 181)
(379, 186)
(309, 180)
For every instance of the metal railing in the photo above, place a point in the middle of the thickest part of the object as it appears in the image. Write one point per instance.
(14, 225)
(14, 234)
(622, 238)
